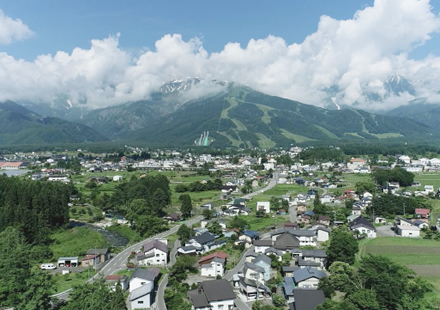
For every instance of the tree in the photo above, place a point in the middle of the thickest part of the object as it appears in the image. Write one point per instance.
(215, 228)
(343, 246)
(37, 296)
(362, 187)
(184, 233)
(208, 214)
(186, 206)
(238, 222)
(278, 300)
(275, 203)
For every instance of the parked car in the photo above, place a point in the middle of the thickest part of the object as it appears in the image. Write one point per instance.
(48, 266)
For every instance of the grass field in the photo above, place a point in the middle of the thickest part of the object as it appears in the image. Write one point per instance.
(75, 242)
(423, 256)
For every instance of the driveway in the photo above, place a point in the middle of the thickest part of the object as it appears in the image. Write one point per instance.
(385, 231)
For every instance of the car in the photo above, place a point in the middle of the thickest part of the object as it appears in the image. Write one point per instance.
(48, 266)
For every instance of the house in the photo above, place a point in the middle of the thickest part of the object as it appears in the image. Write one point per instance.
(420, 224)
(423, 213)
(141, 277)
(262, 245)
(306, 299)
(408, 231)
(187, 250)
(250, 288)
(113, 280)
(141, 297)
(90, 261)
(250, 256)
(307, 278)
(288, 289)
(208, 258)
(317, 256)
(68, 261)
(202, 242)
(287, 271)
(208, 205)
(324, 219)
(154, 252)
(286, 242)
(214, 268)
(249, 236)
(428, 189)
(172, 218)
(212, 295)
(322, 234)
(102, 254)
(263, 206)
(356, 210)
(264, 262)
(277, 253)
(362, 226)
(252, 271)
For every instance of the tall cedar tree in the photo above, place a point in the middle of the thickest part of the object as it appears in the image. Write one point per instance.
(343, 246)
(186, 206)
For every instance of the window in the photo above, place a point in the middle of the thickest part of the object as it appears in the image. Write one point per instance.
(143, 283)
(140, 301)
(220, 307)
(157, 255)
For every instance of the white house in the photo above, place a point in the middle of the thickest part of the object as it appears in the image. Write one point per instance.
(308, 278)
(263, 206)
(408, 231)
(212, 295)
(253, 272)
(213, 269)
(262, 245)
(363, 226)
(154, 252)
(140, 298)
(142, 277)
(117, 178)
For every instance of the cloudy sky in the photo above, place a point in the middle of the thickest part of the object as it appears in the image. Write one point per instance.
(112, 52)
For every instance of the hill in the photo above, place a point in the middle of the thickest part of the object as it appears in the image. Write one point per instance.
(243, 117)
(419, 111)
(18, 125)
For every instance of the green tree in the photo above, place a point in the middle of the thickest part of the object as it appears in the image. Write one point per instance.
(278, 300)
(238, 222)
(208, 214)
(37, 296)
(215, 228)
(186, 205)
(275, 203)
(343, 246)
(184, 233)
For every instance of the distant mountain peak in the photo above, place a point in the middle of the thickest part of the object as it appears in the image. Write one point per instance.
(398, 84)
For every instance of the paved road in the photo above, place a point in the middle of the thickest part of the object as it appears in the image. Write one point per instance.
(118, 262)
(242, 305)
(160, 301)
(271, 184)
(385, 231)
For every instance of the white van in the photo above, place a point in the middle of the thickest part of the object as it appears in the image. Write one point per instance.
(48, 266)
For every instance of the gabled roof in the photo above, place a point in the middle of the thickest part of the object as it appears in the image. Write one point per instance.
(217, 290)
(251, 266)
(361, 222)
(307, 273)
(251, 233)
(155, 244)
(250, 282)
(422, 211)
(262, 242)
(150, 274)
(219, 254)
(263, 258)
(314, 253)
(286, 241)
(307, 299)
(204, 238)
(97, 251)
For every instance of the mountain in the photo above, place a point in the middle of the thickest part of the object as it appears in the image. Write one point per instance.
(243, 117)
(420, 111)
(19, 125)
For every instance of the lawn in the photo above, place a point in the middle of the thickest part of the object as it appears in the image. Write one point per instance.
(427, 179)
(67, 281)
(75, 241)
(264, 223)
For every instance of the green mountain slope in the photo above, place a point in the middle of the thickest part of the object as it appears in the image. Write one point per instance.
(19, 125)
(246, 118)
(419, 111)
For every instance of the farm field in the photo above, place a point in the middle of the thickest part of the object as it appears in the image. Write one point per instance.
(423, 256)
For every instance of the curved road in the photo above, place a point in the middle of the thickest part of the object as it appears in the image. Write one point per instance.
(118, 262)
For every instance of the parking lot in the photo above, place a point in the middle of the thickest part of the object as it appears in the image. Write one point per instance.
(385, 231)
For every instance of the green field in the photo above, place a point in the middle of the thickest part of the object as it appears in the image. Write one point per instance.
(427, 179)
(75, 242)
(423, 256)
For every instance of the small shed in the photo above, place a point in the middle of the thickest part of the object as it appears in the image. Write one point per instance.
(408, 231)
(68, 261)
(117, 178)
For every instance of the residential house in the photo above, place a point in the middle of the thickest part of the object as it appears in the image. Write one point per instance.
(423, 213)
(208, 258)
(262, 245)
(141, 277)
(103, 254)
(251, 256)
(317, 256)
(264, 262)
(249, 288)
(363, 226)
(287, 271)
(252, 271)
(324, 219)
(307, 278)
(322, 233)
(215, 267)
(286, 243)
(172, 218)
(306, 299)
(113, 280)
(154, 252)
(141, 297)
(356, 210)
(202, 242)
(212, 295)
(420, 224)
(263, 206)
(277, 253)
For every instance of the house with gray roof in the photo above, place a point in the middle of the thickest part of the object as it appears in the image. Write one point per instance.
(252, 271)
(261, 245)
(216, 267)
(154, 252)
(264, 262)
(286, 242)
(363, 226)
(306, 299)
(250, 287)
(143, 276)
(141, 297)
(272, 251)
(216, 294)
(315, 256)
(308, 277)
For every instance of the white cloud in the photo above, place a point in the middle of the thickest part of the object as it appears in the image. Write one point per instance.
(351, 56)
(12, 29)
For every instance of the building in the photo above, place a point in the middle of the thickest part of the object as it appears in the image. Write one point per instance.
(212, 295)
(307, 278)
(154, 252)
(263, 206)
(408, 231)
(362, 226)
(113, 280)
(306, 299)
(216, 267)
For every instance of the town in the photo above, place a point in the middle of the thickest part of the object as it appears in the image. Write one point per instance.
(257, 230)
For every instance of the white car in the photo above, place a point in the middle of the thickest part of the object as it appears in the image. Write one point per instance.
(48, 266)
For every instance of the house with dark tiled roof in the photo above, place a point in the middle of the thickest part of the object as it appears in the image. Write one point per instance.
(306, 299)
(216, 294)
(307, 277)
(154, 252)
(363, 226)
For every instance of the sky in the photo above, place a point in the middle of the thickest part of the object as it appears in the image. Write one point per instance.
(112, 52)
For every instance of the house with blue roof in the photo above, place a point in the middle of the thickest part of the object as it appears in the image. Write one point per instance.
(264, 262)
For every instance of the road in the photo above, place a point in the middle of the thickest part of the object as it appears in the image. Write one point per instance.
(160, 301)
(271, 184)
(242, 305)
(385, 231)
(118, 262)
